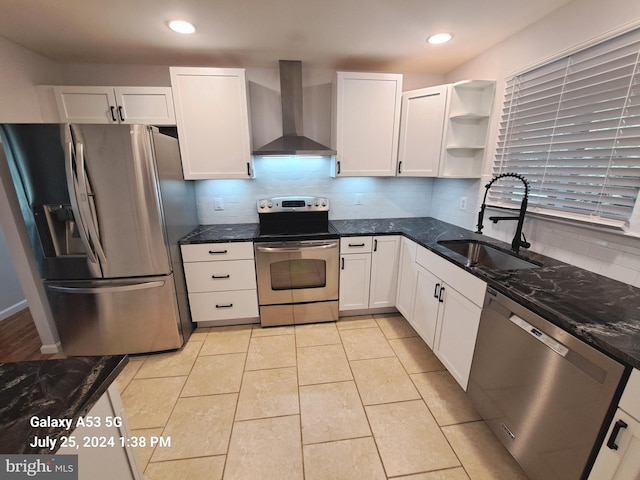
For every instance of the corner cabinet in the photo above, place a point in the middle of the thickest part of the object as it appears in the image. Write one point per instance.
(366, 123)
(421, 128)
(221, 283)
(368, 272)
(466, 128)
(130, 105)
(619, 456)
(212, 114)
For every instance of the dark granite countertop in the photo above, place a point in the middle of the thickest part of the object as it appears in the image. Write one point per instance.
(56, 389)
(603, 312)
(235, 232)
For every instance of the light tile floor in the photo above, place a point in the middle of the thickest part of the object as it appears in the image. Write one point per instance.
(362, 398)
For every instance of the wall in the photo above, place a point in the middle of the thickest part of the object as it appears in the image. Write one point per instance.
(380, 197)
(23, 69)
(614, 255)
(11, 297)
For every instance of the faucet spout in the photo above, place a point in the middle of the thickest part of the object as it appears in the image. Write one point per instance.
(518, 240)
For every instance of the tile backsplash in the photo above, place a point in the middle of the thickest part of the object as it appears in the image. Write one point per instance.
(612, 255)
(349, 197)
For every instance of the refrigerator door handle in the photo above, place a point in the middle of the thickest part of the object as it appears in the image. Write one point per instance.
(84, 199)
(73, 197)
(113, 289)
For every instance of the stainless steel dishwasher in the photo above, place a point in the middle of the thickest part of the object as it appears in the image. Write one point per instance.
(544, 393)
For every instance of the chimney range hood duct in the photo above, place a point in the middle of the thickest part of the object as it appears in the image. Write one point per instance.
(292, 141)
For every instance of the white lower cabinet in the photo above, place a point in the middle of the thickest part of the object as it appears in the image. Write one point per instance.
(424, 314)
(446, 311)
(221, 282)
(619, 456)
(355, 278)
(368, 272)
(104, 449)
(406, 276)
(456, 332)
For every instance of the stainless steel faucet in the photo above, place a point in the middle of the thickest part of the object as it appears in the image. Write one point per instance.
(519, 240)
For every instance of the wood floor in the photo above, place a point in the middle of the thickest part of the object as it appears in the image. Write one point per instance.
(19, 340)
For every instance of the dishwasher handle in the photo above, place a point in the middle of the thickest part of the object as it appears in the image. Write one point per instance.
(550, 342)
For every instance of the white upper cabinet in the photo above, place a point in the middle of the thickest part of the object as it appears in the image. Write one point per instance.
(130, 105)
(421, 127)
(366, 123)
(212, 114)
(466, 127)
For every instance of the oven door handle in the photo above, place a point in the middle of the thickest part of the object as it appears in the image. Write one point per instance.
(297, 248)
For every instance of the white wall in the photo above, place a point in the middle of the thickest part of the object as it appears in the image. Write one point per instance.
(614, 255)
(12, 299)
(23, 69)
(380, 197)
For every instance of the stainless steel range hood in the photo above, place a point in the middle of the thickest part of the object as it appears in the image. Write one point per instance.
(292, 141)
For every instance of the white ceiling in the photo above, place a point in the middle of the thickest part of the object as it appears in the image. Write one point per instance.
(377, 35)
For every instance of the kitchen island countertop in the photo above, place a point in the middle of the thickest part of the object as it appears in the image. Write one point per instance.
(62, 389)
(603, 312)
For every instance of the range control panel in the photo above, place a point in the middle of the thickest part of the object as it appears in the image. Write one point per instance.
(293, 204)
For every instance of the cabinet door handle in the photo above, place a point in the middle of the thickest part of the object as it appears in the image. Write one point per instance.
(440, 299)
(226, 305)
(611, 443)
(375, 245)
(248, 169)
(217, 252)
(216, 277)
(435, 290)
(120, 112)
(113, 113)
(400, 167)
(338, 163)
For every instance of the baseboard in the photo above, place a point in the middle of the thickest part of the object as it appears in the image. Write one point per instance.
(51, 348)
(368, 311)
(13, 309)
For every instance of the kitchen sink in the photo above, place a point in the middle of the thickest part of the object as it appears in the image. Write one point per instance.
(480, 254)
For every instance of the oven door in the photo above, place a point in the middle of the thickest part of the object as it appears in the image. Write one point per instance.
(297, 272)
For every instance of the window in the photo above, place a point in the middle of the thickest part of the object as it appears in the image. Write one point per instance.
(572, 128)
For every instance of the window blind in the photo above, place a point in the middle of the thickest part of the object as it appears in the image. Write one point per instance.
(572, 128)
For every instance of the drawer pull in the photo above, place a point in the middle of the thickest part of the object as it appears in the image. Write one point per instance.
(611, 443)
(225, 305)
(356, 244)
(217, 252)
(217, 277)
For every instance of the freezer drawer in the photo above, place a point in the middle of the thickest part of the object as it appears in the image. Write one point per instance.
(109, 317)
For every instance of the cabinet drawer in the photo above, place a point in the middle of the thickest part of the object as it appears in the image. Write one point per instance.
(223, 305)
(629, 401)
(220, 276)
(356, 244)
(468, 285)
(206, 252)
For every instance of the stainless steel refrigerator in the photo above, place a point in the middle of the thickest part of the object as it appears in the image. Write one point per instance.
(105, 206)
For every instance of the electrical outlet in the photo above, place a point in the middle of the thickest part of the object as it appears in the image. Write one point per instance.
(358, 199)
(218, 204)
(463, 203)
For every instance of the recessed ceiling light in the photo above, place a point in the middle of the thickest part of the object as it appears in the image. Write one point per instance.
(181, 26)
(439, 38)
